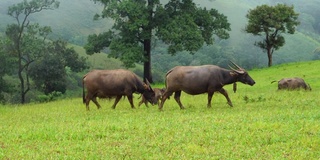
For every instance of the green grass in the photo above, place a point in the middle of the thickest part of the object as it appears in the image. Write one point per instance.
(263, 124)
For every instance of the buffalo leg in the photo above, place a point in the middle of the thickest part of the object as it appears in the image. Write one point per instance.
(116, 102)
(210, 94)
(140, 103)
(143, 100)
(87, 104)
(87, 101)
(146, 103)
(225, 93)
(94, 100)
(131, 101)
(165, 96)
(177, 98)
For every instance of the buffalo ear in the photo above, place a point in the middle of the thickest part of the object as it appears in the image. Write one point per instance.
(233, 73)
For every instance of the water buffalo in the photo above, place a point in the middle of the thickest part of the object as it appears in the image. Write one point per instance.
(114, 84)
(158, 95)
(196, 80)
(292, 84)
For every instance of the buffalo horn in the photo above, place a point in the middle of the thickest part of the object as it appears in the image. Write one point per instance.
(232, 68)
(148, 83)
(239, 70)
(236, 65)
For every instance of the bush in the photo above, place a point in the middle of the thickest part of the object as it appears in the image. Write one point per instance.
(50, 97)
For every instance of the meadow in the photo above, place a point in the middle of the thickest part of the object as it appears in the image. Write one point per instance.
(263, 124)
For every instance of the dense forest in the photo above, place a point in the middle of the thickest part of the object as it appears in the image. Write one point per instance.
(73, 22)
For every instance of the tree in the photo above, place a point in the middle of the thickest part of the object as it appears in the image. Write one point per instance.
(180, 24)
(49, 72)
(39, 60)
(27, 40)
(271, 22)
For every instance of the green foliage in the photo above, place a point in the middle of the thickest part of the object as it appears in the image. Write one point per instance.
(30, 7)
(49, 97)
(68, 56)
(49, 72)
(98, 42)
(184, 26)
(6, 67)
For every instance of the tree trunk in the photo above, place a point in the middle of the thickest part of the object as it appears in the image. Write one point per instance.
(269, 57)
(22, 93)
(147, 44)
(147, 64)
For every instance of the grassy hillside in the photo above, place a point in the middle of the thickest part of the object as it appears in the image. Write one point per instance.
(263, 124)
(99, 60)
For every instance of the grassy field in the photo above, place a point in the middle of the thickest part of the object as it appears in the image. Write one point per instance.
(263, 124)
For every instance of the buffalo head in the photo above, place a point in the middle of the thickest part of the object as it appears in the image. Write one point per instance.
(242, 75)
(149, 94)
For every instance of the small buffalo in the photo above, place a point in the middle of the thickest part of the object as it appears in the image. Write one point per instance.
(114, 84)
(158, 95)
(196, 80)
(292, 84)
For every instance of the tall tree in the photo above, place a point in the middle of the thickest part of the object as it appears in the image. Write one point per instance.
(271, 22)
(27, 40)
(179, 23)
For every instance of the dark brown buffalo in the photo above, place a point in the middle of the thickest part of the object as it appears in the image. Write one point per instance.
(196, 80)
(158, 95)
(292, 84)
(114, 84)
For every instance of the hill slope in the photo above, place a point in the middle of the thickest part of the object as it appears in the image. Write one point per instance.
(73, 21)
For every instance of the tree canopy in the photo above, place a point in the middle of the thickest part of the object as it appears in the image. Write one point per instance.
(271, 22)
(180, 24)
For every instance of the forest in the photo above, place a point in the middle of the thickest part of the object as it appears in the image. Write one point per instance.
(73, 21)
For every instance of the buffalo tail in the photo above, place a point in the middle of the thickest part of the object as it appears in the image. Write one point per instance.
(83, 92)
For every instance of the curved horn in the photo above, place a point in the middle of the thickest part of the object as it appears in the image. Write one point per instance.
(148, 84)
(236, 65)
(232, 68)
(240, 71)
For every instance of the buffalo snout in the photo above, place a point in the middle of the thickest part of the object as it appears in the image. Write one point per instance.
(252, 83)
(150, 96)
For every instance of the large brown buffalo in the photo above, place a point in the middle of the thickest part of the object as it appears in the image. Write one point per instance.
(196, 80)
(158, 95)
(114, 83)
(292, 84)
